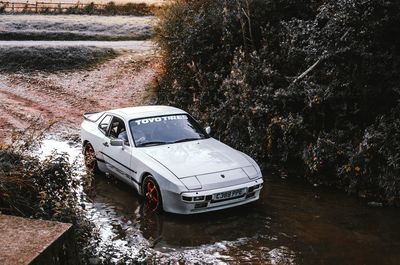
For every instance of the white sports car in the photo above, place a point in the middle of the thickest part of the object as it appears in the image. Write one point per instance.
(170, 160)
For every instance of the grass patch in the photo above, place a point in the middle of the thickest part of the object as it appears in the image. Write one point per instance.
(27, 59)
(74, 27)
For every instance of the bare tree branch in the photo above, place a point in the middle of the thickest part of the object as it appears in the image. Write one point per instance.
(248, 21)
(307, 71)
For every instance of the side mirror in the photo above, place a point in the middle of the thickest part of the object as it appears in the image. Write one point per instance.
(208, 129)
(117, 142)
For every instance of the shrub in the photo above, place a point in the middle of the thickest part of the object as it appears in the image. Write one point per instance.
(302, 83)
(33, 187)
(140, 9)
(374, 168)
(43, 189)
(110, 8)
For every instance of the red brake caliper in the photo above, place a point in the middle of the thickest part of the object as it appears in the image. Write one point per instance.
(151, 193)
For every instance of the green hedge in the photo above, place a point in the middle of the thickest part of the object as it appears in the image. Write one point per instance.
(313, 85)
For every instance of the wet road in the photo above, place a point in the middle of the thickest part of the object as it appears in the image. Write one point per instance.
(293, 223)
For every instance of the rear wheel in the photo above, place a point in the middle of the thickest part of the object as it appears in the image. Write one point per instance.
(90, 159)
(152, 194)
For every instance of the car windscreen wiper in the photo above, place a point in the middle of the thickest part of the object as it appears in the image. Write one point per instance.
(152, 143)
(185, 140)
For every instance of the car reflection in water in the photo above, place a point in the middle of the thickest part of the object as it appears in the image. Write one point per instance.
(177, 231)
(292, 223)
(232, 235)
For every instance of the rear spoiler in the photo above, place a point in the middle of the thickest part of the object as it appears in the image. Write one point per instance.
(92, 116)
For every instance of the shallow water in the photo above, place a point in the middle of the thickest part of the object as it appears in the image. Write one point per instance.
(292, 223)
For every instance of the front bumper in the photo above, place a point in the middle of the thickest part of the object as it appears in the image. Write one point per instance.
(207, 201)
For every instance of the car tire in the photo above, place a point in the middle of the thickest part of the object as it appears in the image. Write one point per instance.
(152, 194)
(90, 159)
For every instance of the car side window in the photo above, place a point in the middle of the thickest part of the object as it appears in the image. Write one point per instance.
(103, 126)
(118, 130)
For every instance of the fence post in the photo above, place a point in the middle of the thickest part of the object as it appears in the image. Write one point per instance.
(36, 7)
(12, 7)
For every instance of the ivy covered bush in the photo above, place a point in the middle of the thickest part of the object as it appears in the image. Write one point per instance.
(310, 84)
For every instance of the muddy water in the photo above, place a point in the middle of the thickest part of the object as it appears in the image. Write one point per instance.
(292, 223)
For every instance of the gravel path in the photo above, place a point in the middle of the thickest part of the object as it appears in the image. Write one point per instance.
(119, 45)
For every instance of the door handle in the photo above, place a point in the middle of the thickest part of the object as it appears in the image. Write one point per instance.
(105, 144)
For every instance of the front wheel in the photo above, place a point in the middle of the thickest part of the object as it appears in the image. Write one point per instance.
(90, 159)
(152, 194)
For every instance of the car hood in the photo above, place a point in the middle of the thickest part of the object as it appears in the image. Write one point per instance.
(197, 157)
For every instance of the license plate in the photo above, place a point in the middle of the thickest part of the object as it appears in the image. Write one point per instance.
(228, 194)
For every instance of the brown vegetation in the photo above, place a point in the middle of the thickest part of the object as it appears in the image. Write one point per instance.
(109, 9)
(312, 85)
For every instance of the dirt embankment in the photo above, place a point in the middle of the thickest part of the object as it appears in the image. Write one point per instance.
(64, 96)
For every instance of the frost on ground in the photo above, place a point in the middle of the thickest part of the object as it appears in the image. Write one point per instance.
(74, 27)
(65, 95)
(52, 58)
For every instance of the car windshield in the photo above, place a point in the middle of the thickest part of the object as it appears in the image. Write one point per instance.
(165, 130)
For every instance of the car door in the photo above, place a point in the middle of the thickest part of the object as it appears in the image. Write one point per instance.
(118, 158)
(97, 140)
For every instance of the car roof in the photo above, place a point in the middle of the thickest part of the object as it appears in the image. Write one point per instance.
(146, 111)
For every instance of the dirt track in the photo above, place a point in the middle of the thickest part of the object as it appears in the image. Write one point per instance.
(136, 45)
(65, 96)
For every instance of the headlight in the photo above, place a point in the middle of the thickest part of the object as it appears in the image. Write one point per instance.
(251, 172)
(192, 183)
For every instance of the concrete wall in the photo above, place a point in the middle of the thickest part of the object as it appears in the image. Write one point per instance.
(28, 241)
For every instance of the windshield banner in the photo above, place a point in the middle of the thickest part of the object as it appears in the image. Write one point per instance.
(159, 119)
